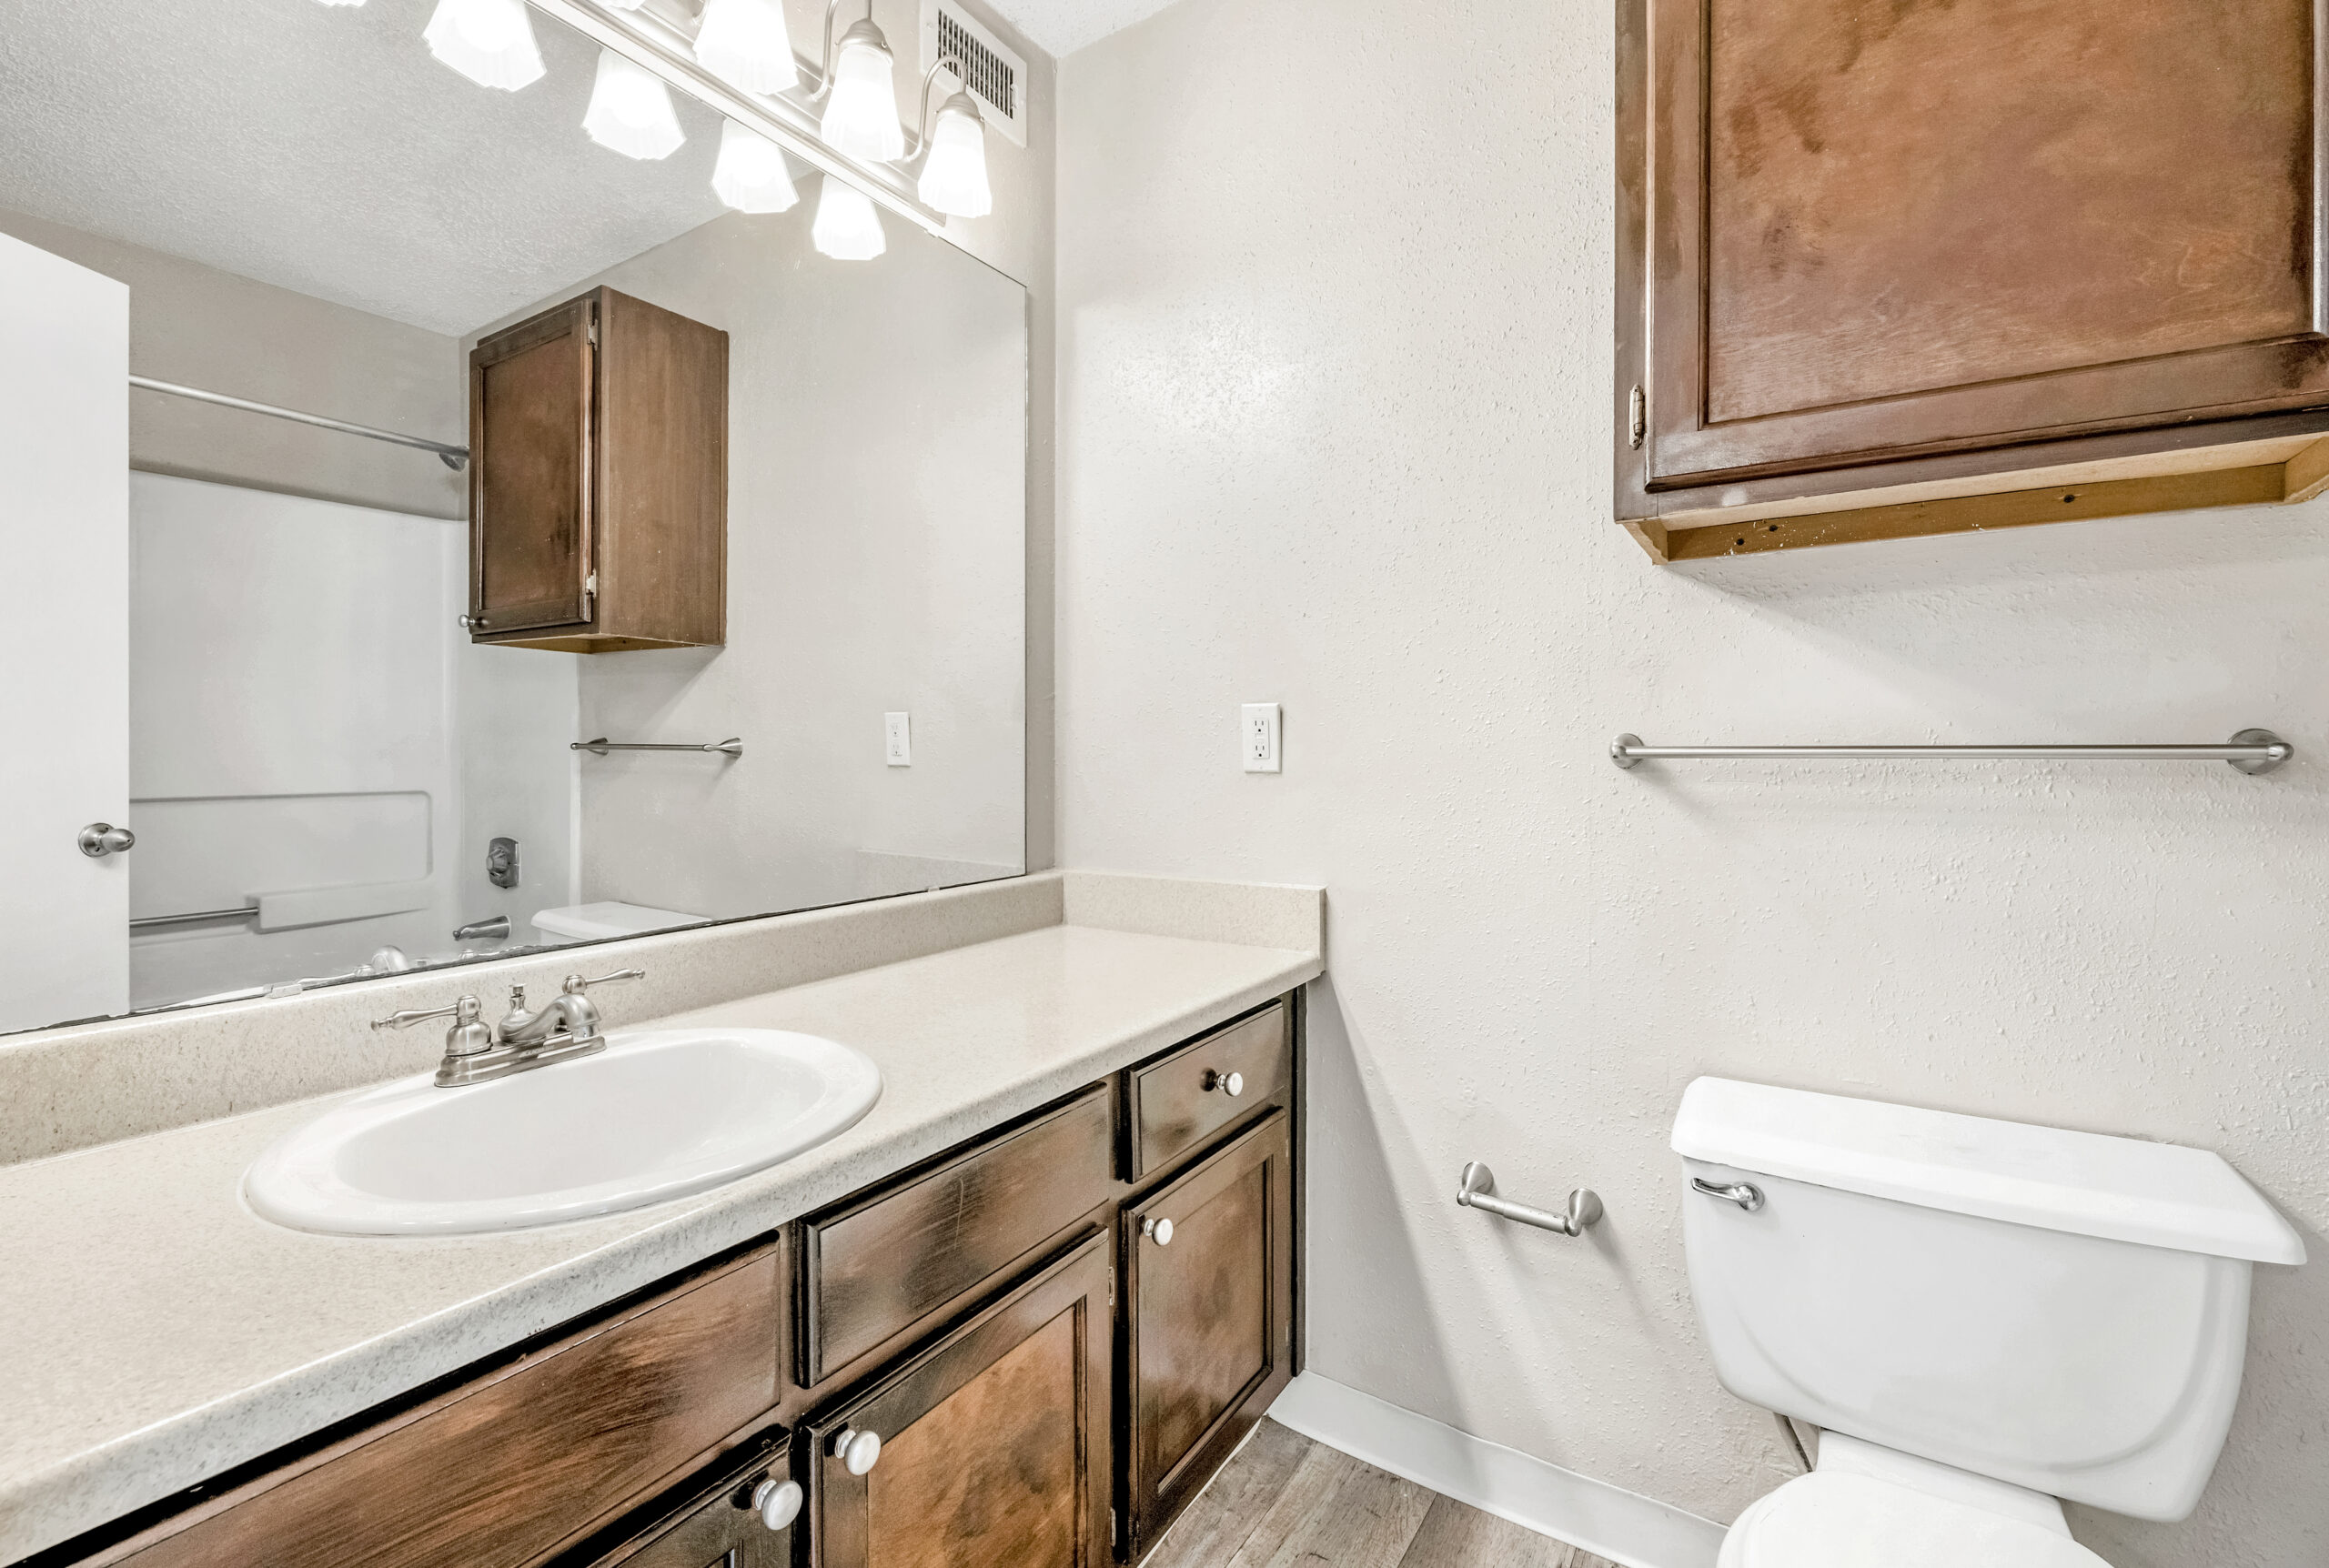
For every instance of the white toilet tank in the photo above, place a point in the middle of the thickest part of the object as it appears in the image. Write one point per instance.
(2063, 1311)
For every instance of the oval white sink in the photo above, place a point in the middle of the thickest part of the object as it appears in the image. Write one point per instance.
(656, 1115)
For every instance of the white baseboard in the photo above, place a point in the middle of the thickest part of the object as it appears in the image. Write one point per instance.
(1606, 1521)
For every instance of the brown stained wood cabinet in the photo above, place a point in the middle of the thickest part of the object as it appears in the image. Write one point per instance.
(994, 1443)
(1208, 1282)
(1052, 1353)
(598, 479)
(1950, 265)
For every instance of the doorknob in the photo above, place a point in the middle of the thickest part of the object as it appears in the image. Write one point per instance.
(99, 840)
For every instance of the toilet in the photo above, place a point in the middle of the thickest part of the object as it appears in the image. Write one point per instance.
(608, 918)
(1982, 1317)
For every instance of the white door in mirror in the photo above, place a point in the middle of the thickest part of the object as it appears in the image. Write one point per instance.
(657, 1115)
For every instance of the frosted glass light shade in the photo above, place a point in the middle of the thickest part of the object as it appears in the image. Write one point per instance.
(744, 42)
(343, 2)
(751, 175)
(630, 110)
(847, 228)
(954, 176)
(861, 116)
(490, 42)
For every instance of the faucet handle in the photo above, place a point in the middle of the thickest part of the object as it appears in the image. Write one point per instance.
(576, 985)
(465, 1009)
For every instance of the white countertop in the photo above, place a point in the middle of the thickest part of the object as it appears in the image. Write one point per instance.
(155, 1333)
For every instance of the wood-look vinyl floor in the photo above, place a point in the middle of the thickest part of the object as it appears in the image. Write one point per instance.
(1285, 1502)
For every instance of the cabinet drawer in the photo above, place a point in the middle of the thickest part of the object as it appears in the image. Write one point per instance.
(527, 1458)
(877, 1265)
(1179, 1100)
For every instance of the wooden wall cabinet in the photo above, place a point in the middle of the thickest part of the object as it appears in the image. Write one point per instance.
(598, 479)
(1900, 269)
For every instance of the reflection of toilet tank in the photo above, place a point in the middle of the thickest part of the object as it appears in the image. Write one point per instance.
(2063, 1311)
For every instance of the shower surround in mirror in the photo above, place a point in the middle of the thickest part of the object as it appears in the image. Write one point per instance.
(312, 737)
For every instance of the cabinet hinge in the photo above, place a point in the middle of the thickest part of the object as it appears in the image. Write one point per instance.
(1636, 418)
(594, 330)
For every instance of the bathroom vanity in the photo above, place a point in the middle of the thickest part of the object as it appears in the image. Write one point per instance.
(1020, 1314)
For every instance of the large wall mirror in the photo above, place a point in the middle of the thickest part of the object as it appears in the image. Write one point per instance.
(750, 515)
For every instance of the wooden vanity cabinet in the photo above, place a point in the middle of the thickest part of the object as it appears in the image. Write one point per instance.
(1901, 269)
(1208, 1290)
(598, 479)
(994, 1441)
(1053, 1354)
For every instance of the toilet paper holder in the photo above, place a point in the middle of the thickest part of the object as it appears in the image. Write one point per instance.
(1476, 1189)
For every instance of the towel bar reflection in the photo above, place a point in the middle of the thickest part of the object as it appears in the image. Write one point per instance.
(1476, 1189)
(195, 917)
(731, 747)
(2251, 751)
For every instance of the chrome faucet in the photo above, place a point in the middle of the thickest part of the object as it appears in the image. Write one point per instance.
(476, 1052)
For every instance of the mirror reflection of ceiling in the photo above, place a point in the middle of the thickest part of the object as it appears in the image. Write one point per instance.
(321, 148)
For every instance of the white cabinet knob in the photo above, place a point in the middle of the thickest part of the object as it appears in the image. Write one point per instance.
(857, 1451)
(778, 1502)
(1157, 1231)
(1233, 1084)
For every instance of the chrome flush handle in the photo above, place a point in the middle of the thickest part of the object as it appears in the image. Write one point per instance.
(1745, 1194)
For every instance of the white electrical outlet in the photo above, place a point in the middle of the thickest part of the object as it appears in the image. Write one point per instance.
(897, 747)
(1257, 737)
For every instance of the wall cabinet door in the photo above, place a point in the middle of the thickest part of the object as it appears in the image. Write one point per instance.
(2065, 256)
(1891, 228)
(529, 484)
(1209, 1321)
(598, 479)
(994, 1443)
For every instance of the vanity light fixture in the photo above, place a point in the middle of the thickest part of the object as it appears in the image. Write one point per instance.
(751, 175)
(341, 2)
(861, 108)
(630, 110)
(490, 42)
(744, 42)
(847, 228)
(953, 168)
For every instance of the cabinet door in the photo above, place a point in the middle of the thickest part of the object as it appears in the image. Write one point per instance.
(715, 1525)
(530, 439)
(1209, 1341)
(995, 1448)
(1883, 231)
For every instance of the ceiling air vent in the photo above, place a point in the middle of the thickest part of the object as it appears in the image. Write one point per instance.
(995, 73)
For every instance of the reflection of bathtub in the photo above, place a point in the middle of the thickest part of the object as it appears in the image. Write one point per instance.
(608, 918)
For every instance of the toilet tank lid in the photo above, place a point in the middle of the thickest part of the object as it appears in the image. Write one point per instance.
(2124, 1188)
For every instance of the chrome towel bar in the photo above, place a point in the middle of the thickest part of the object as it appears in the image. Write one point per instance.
(156, 922)
(452, 457)
(1476, 1189)
(731, 747)
(2251, 751)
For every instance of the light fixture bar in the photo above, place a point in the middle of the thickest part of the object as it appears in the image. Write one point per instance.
(652, 42)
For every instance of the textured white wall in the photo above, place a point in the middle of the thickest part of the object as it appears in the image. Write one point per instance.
(1335, 286)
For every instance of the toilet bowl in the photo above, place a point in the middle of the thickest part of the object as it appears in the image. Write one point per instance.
(608, 918)
(1868, 1507)
(1981, 1317)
